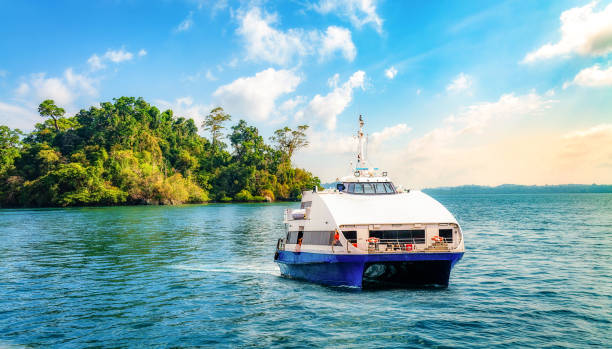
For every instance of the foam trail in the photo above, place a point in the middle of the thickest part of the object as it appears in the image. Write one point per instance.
(231, 268)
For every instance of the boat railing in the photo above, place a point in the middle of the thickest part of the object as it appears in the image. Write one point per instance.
(375, 245)
(280, 244)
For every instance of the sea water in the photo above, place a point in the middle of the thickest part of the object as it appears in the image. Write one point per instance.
(537, 272)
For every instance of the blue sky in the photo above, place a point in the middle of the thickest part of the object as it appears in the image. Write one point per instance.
(477, 92)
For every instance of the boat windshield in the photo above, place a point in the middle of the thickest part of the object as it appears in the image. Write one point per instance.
(370, 188)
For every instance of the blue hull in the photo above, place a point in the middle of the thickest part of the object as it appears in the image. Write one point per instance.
(369, 270)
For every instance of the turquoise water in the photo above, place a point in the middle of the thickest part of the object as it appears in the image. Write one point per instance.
(537, 273)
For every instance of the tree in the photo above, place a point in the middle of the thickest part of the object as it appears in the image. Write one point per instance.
(48, 108)
(213, 122)
(288, 140)
(10, 145)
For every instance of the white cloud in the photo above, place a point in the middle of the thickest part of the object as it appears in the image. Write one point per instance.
(583, 31)
(442, 156)
(377, 138)
(338, 39)
(116, 56)
(185, 107)
(23, 89)
(461, 83)
(476, 117)
(359, 12)
(336, 143)
(40, 88)
(591, 132)
(142, 52)
(593, 76)
(418, 91)
(186, 24)
(255, 96)
(265, 43)
(327, 108)
(81, 82)
(15, 116)
(210, 76)
(292, 103)
(95, 62)
(391, 72)
(63, 90)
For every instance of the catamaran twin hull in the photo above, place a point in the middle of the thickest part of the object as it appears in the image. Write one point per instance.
(368, 232)
(369, 271)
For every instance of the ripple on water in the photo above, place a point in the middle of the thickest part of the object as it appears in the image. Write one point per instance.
(536, 274)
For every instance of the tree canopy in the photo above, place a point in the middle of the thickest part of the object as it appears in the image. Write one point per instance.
(288, 140)
(129, 152)
(48, 108)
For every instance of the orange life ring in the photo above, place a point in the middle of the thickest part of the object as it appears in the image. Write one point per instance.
(373, 240)
(437, 239)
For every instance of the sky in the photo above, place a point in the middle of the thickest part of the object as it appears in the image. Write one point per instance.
(452, 92)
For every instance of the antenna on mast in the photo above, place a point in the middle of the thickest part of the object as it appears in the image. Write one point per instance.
(361, 161)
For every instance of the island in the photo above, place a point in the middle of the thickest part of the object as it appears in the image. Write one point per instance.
(128, 152)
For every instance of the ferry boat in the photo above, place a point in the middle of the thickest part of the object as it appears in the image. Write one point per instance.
(369, 233)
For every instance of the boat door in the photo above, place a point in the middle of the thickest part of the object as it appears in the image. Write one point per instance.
(431, 230)
(363, 233)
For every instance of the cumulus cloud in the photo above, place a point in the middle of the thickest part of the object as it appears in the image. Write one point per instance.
(63, 90)
(359, 12)
(390, 73)
(327, 108)
(186, 24)
(338, 39)
(292, 103)
(377, 138)
(461, 83)
(255, 96)
(15, 116)
(341, 143)
(584, 31)
(142, 52)
(115, 56)
(266, 43)
(442, 157)
(187, 108)
(95, 62)
(593, 76)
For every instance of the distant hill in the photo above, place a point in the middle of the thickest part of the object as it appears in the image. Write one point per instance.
(520, 189)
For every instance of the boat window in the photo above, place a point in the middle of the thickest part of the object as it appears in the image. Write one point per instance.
(350, 235)
(351, 188)
(368, 188)
(389, 188)
(447, 234)
(318, 238)
(359, 188)
(380, 188)
(415, 236)
(292, 237)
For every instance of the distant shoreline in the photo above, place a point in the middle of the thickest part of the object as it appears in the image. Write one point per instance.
(521, 189)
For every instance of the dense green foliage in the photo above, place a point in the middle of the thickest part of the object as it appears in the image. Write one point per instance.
(128, 152)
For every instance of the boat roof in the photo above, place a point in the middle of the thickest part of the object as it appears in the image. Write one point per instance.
(403, 208)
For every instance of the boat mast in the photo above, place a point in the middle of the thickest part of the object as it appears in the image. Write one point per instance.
(361, 161)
